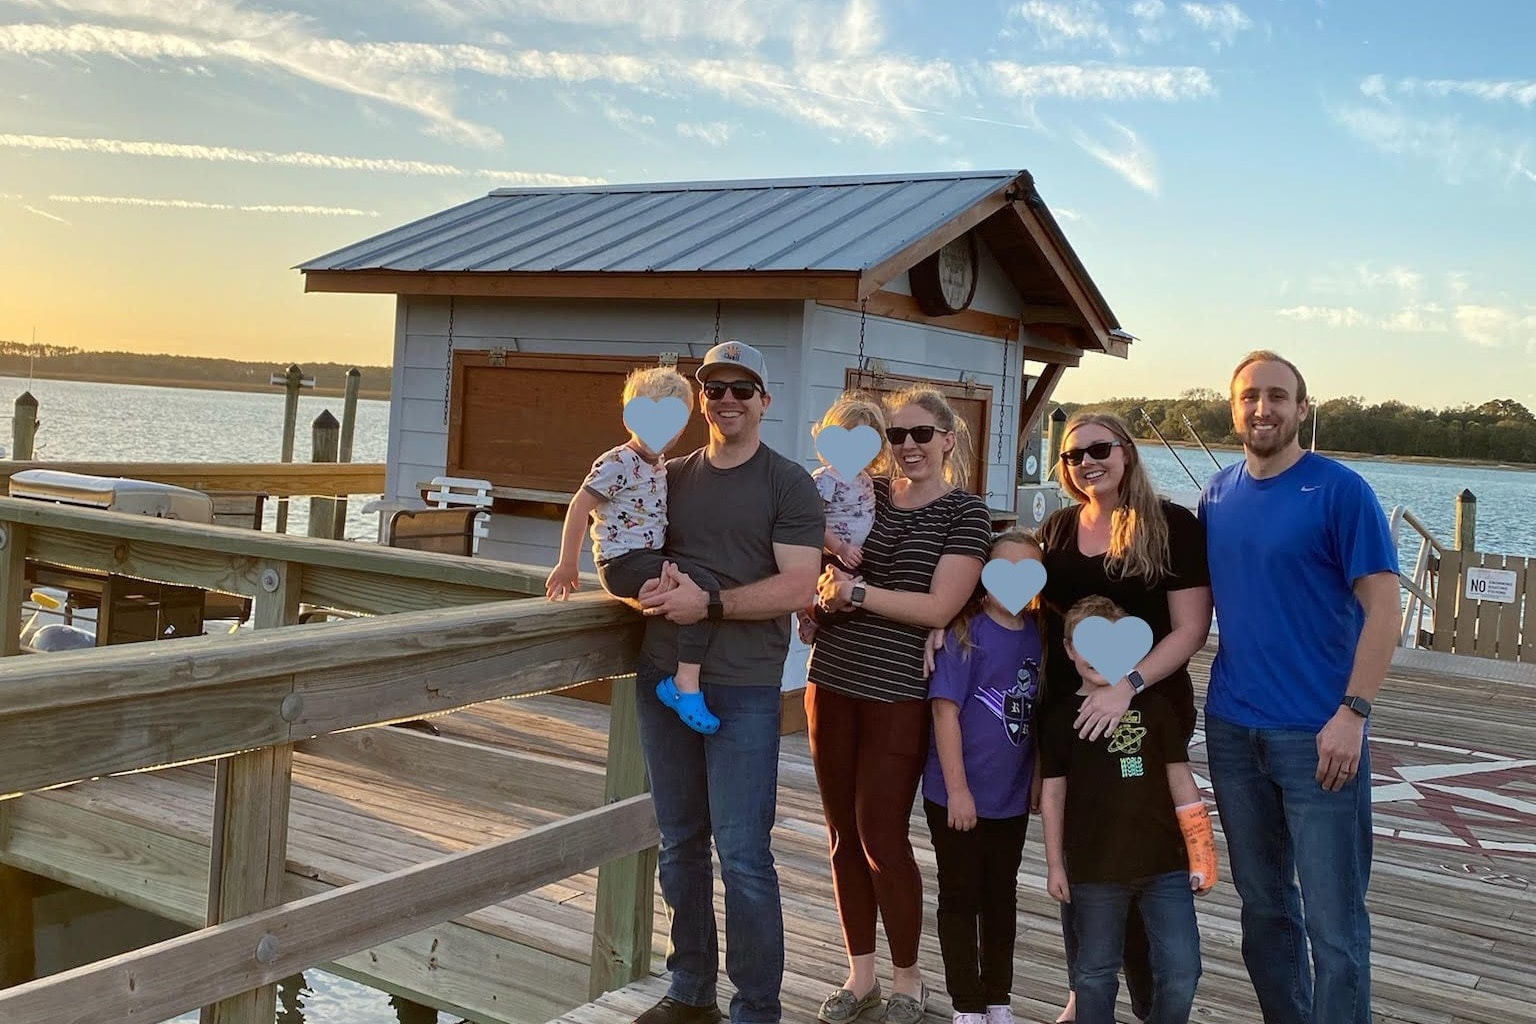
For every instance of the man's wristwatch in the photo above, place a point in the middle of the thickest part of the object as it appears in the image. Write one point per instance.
(1359, 705)
(856, 595)
(716, 607)
(1138, 684)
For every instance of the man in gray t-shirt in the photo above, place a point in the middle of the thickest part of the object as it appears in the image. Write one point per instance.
(753, 518)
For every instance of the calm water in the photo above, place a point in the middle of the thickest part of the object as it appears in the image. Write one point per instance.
(111, 422)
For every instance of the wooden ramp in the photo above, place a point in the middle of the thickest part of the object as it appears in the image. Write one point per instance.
(1453, 894)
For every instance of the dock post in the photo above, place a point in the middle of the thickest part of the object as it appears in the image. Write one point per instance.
(348, 428)
(13, 587)
(1466, 521)
(626, 901)
(24, 428)
(1053, 441)
(326, 433)
(292, 381)
(249, 850)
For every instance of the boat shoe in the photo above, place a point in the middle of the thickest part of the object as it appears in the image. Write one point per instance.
(843, 1006)
(903, 1009)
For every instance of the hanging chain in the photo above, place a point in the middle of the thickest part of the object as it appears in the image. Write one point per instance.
(717, 321)
(863, 317)
(1002, 401)
(448, 376)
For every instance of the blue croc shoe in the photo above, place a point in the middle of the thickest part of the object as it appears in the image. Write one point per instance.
(690, 707)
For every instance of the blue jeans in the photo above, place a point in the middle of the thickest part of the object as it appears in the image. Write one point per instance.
(723, 785)
(1099, 911)
(1282, 825)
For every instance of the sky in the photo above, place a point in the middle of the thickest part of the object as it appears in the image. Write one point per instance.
(1350, 182)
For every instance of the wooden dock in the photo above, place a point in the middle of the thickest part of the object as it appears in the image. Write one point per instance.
(1453, 893)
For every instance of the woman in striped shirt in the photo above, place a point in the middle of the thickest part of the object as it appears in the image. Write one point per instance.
(866, 701)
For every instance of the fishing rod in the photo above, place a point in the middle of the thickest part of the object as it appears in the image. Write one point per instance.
(1196, 435)
(1163, 439)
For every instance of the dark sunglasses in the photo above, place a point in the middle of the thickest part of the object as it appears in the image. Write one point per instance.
(741, 390)
(922, 434)
(1099, 450)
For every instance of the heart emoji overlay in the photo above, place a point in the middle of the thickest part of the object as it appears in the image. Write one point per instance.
(848, 451)
(655, 421)
(1113, 648)
(1013, 584)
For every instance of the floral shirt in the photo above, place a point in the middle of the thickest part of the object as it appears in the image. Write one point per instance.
(849, 504)
(633, 513)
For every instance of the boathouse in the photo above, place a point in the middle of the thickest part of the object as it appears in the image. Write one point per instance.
(519, 313)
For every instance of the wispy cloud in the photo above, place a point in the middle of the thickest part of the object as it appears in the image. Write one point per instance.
(1494, 326)
(1331, 316)
(1060, 23)
(322, 161)
(44, 213)
(1130, 157)
(1489, 90)
(1222, 22)
(715, 133)
(1151, 20)
(193, 204)
(1461, 151)
(1100, 82)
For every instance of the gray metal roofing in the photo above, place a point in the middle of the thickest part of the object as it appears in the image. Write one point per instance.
(797, 224)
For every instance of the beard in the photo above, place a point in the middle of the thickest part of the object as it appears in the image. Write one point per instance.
(1283, 434)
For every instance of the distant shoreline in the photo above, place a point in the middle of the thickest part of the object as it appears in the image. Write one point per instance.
(205, 385)
(1427, 460)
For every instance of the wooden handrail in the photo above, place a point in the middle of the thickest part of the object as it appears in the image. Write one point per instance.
(177, 975)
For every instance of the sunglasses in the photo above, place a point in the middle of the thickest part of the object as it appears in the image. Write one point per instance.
(741, 390)
(1099, 450)
(922, 434)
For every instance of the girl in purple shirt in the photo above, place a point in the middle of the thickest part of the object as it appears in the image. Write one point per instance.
(976, 789)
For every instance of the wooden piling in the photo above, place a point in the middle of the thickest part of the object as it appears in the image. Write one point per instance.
(18, 930)
(1466, 521)
(24, 427)
(292, 382)
(623, 919)
(326, 443)
(348, 428)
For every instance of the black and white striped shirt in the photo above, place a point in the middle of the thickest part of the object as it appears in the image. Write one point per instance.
(869, 655)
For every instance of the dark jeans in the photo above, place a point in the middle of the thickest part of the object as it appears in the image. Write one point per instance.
(723, 785)
(978, 905)
(1173, 939)
(1135, 959)
(1282, 825)
(625, 575)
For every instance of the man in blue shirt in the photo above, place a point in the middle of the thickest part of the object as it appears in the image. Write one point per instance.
(1304, 579)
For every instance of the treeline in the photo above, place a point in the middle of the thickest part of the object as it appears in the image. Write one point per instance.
(1501, 430)
(19, 359)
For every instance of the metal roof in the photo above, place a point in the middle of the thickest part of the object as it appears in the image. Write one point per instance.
(797, 224)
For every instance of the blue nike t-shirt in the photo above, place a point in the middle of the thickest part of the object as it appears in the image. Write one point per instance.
(1284, 554)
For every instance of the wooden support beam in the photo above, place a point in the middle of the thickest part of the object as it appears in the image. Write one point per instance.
(473, 771)
(147, 705)
(626, 889)
(896, 306)
(18, 930)
(13, 585)
(249, 852)
(1034, 314)
(1034, 406)
(168, 978)
(1057, 261)
(278, 479)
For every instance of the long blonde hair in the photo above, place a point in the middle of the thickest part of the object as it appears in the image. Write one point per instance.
(957, 461)
(960, 629)
(1138, 527)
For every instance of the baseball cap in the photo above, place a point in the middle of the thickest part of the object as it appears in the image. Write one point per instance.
(735, 353)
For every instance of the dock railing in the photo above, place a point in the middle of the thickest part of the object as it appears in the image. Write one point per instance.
(436, 633)
(1422, 585)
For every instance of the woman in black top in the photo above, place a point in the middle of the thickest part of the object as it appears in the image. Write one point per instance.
(1148, 556)
(866, 702)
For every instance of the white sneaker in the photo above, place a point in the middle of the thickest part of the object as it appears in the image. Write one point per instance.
(970, 1018)
(999, 1015)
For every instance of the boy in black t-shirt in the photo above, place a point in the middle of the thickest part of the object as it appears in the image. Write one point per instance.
(1115, 812)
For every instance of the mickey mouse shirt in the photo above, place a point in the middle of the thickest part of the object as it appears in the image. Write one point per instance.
(995, 687)
(633, 513)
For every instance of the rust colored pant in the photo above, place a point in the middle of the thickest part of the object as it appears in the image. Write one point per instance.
(869, 757)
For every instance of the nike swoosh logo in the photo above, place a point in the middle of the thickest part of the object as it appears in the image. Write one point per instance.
(1306, 490)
